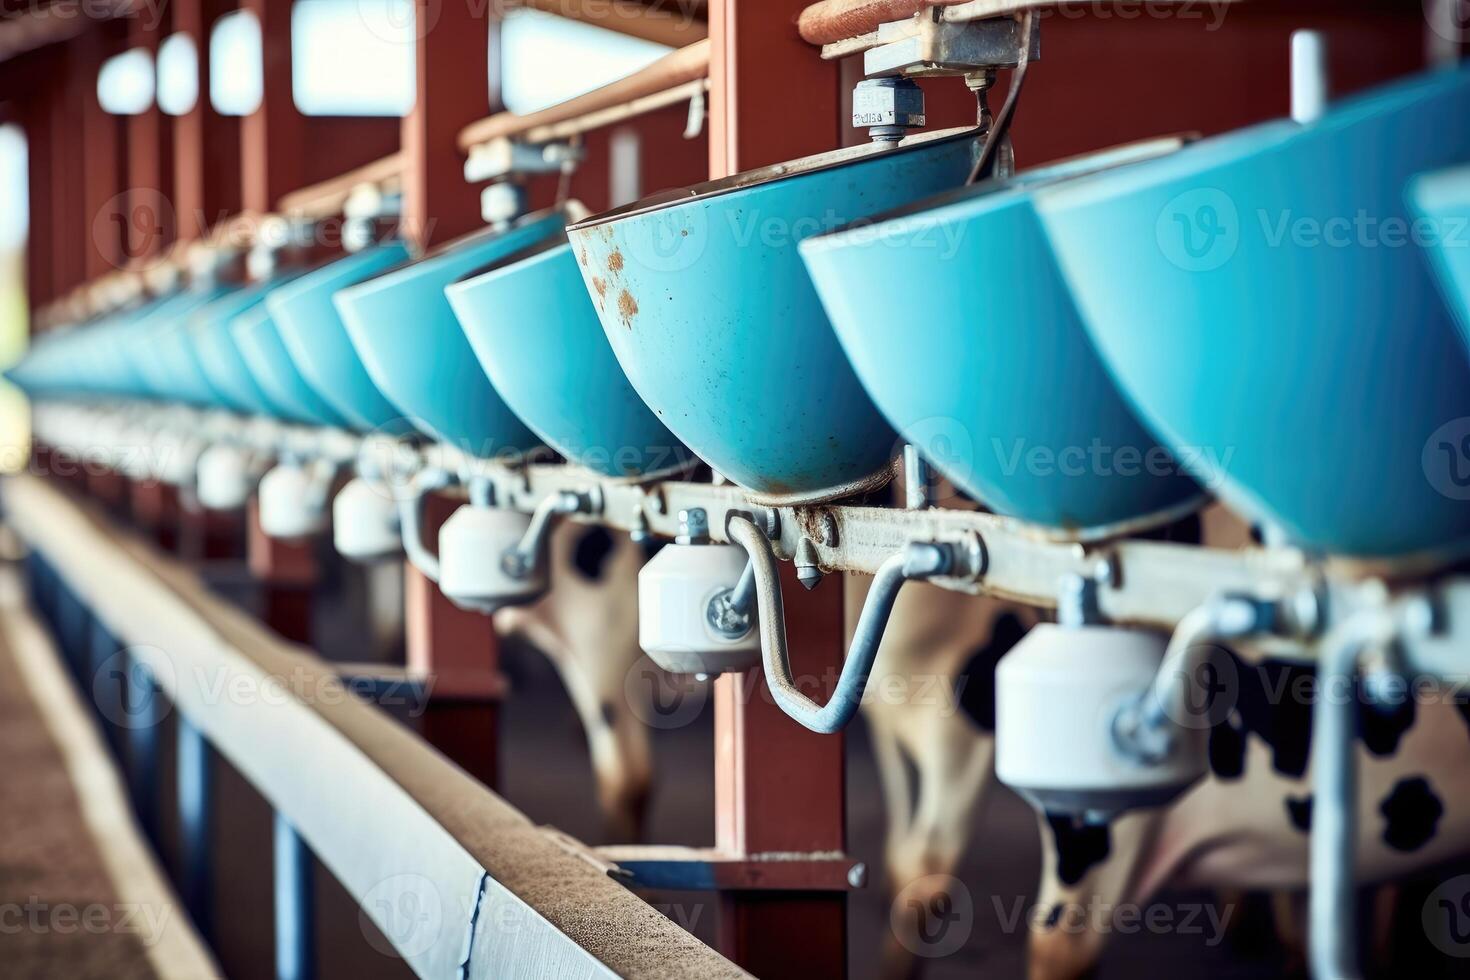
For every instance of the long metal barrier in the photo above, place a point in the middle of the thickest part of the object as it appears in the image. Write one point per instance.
(460, 882)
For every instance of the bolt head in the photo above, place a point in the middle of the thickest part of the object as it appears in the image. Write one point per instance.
(887, 102)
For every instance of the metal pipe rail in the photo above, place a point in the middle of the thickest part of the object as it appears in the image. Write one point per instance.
(1137, 582)
(393, 820)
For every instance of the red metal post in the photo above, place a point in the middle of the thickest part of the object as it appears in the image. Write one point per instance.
(287, 572)
(778, 787)
(452, 60)
(457, 650)
(272, 138)
(457, 653)
(36, 120)
(150, 212)
(206, 145)
(104, 175)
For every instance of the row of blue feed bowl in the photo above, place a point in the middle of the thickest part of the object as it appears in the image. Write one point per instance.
(1036, 337)
(1081, 346)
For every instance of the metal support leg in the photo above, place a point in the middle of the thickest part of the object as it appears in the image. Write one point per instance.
(105, 681)
(295, 930)
(1333, 910)
(459, 650)
(780, 788)
(195, 822)
(143, 708)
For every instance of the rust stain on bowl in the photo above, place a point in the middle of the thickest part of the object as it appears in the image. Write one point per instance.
(615, 261)
(627, 308)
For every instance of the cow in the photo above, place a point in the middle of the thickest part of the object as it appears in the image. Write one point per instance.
(587, 626)
(1246, 825)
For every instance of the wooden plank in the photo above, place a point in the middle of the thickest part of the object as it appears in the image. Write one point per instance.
(672, 23)
(326, 198)
(677, 68)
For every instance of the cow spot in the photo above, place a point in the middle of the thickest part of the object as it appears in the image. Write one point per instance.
(592, 551)
(1275, 703)
(1055, 915)
(1080, 846)
(1189, 529)
(1268, 705)
(1299, 812)
(1412, 812)
(1382, 726)
(977, 690)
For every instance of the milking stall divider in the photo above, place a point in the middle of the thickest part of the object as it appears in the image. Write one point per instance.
(779, 864)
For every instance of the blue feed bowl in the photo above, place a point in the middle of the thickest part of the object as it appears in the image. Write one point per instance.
(1247, 299)
(955, 317)
(416, 353)
(313, 332)
(259, 343)
(715, 322)
(537, 336)
(214, 343)
(1441, 201)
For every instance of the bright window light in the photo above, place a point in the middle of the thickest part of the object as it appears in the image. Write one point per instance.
(548, 59)
(125, 83)
(235, 67)
(13, 188)
(178, 74)
(352, 57)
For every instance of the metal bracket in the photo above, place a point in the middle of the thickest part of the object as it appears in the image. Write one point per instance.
(925, 46)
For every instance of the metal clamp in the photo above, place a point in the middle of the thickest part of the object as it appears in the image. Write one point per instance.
(524, 560)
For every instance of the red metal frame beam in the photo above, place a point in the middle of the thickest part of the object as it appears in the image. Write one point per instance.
(104, 175)
(451, 61)
(778, 787)
(272, 138)
(454, 86)
(149, 215)
(206, 144)
(68, 264)
(287, 572)
(771, 96)
(459, 655)
(36, 121)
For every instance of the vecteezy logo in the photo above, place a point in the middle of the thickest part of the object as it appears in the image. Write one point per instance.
(933, 916)
(1211, 687)
(1446, 459)
(669, 241)
(407, 911)
(132, 224)
(1199, 230)
(1446, 917)
(1450, 19)
(125, 687)
(662, 700)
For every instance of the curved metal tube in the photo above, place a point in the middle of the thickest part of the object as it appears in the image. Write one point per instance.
(525, 558)
(411, 523)
(1221, 617)
(917, 561)
(1333, 936)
